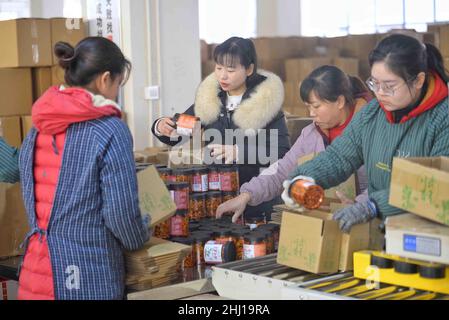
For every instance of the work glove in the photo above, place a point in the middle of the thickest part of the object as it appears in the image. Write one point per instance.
(227, 152)
(236, 206)
(289, 202)
(358, 213)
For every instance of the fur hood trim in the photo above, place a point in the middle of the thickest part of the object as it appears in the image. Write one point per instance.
(254, 113)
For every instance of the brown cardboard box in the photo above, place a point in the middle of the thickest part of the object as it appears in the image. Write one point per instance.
(348, 65)
(25, 43)
(154, 197)
(292, 96)
(205, 54)
(296, 111)
(57, 76)
(13, 220)
(366, 236)
(149, 155)
(295, 125)
(16, 92)
(277, 66)
(11, 130)
(27, 124)
(443, 40)
(359, 46)
(298, 69)
(207, 68)
(310, 241)
(41, 81)
(410, 236)
(67, 30)
(420, 186)
(446, 62)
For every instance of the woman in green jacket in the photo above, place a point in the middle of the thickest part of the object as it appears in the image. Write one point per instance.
(9, 169)
(408, 118)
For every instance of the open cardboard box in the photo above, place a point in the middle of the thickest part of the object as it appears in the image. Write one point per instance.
(410, 236)
(154, 196)
(421, 186)
(310, 241)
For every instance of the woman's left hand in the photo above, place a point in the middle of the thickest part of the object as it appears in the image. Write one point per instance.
(226, 152)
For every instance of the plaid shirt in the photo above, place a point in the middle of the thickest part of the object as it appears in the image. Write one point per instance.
(95, 214)
(9, 170)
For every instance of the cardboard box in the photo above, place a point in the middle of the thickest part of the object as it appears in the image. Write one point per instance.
(410, 236)
(277, 66)
(205, 54)
(348, 65)
(25, 43)
(67, 30)
(57, 76)
(207, 68)
(359, 46)
(10, 290)
(11, 130)
(16, 92)
(41, 81)
(27, 125)
(310, 241)
(13, 220)
(420, 186)
(295, 125)
(367, 236)
(154, 197)
(296, 111)
(443, 40)
(446, 62)
(298, 69)
(149, 155)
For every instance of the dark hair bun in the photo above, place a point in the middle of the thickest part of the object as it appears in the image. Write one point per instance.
(65, 54)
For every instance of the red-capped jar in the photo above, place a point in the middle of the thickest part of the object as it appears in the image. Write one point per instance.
(180, 194)
(200, 180)
(214, 179)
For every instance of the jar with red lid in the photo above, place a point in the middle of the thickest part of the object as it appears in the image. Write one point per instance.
(166, 175)
(213, 201)
(200, 180)
(229, 195)
(255, 246)
(214, 179)
(223, 236)
(255, 222)
(200, 240)
(239, 236)
(162, 230)
(218, 253)
(183, 175)
(229, 179)
(180, 224)
(197, 207)
(180, 194)
(306, 193)
(276, 230)
(186, 124)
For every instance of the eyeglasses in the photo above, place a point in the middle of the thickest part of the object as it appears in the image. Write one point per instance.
(387, 90)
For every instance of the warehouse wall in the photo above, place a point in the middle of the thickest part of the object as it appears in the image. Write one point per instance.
(278, 18)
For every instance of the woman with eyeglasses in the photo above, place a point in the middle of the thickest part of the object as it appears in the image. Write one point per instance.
(333, 98)
(408, 118)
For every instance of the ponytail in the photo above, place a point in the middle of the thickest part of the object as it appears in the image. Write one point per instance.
(435, 62)
(357, 86)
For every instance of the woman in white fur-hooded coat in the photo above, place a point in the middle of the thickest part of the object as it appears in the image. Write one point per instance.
(240, 98)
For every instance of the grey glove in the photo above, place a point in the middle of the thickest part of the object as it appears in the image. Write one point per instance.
(358, 213)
